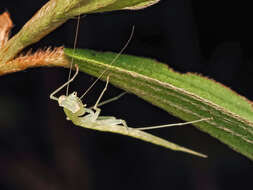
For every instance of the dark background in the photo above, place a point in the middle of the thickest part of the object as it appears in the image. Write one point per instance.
(39, 149)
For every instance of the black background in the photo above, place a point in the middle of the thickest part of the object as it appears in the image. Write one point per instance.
(39, 149)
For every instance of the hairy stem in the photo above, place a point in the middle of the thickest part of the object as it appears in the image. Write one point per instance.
(54, 13)
(48, 58)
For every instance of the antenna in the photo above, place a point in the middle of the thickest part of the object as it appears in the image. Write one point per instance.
(114, 59)
(72, 59)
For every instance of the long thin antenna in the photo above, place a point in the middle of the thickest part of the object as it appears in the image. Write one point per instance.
(115, 58)
(72, 59)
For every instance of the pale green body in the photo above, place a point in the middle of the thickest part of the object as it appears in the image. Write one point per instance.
(110, 124)
(89, 118)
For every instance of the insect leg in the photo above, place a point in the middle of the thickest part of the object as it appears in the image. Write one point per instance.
(65, 84)
(123, 122)
(173, 124)
(96, 114)
(111, 99)
(88, 118)
(107, 119)
(111, 121)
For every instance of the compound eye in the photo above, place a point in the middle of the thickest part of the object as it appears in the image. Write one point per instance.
(61, 99)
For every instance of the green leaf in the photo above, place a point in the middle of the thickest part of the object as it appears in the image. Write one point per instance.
(130, 5)
(187, 96)
(54, 13)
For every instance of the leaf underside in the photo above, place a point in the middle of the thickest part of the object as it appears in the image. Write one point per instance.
(187, 96)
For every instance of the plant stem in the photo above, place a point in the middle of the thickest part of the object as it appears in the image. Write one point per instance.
(42, 23)
(40, 58)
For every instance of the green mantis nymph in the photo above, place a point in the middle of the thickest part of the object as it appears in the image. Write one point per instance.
(90, 118)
